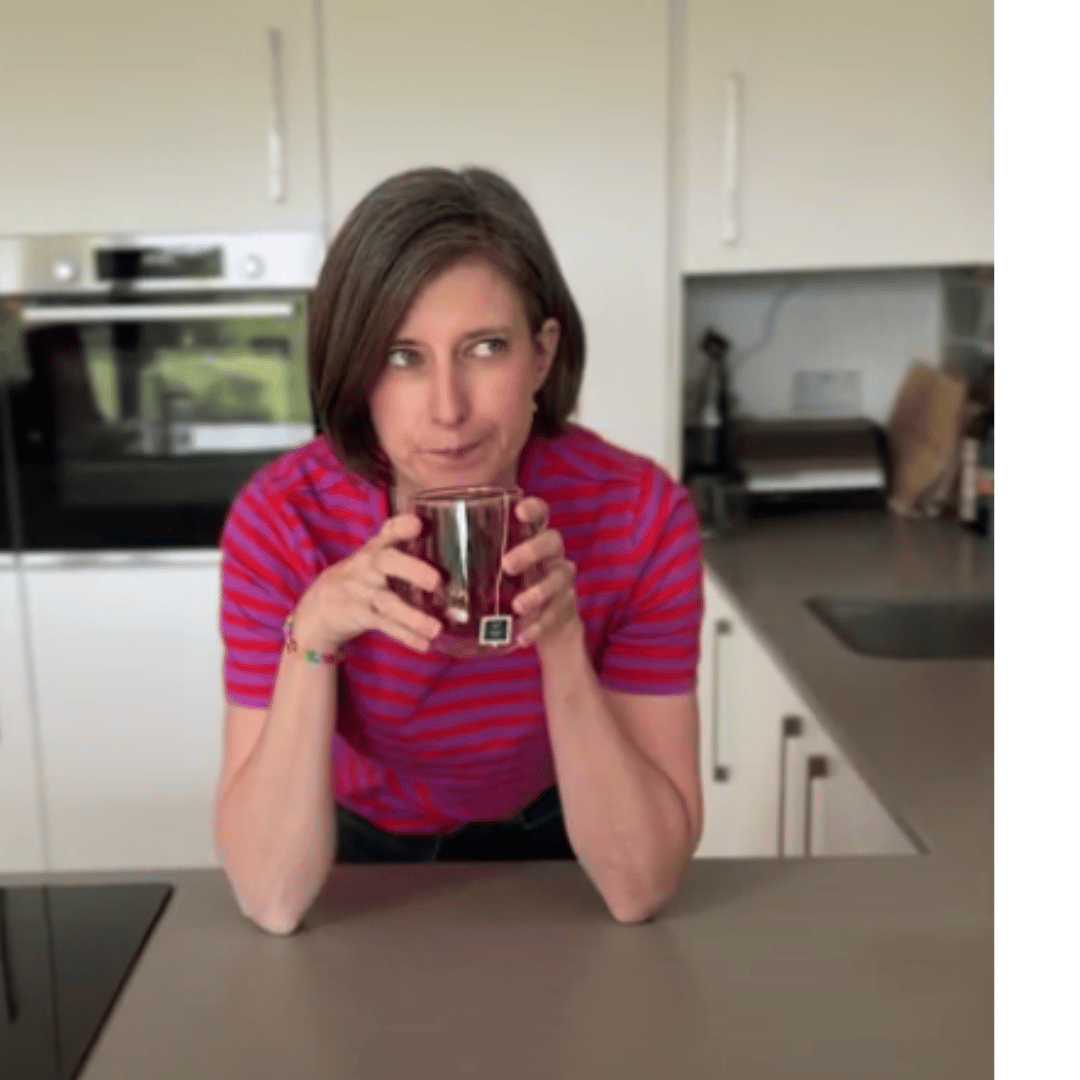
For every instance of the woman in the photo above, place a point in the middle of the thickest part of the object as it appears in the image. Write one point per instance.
(446, 350)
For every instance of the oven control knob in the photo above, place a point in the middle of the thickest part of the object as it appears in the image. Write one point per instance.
(253, 266)
(65, 270)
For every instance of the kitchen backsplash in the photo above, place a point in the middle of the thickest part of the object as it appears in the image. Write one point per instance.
(819, 343)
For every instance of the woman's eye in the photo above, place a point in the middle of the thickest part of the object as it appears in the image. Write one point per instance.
(402, 358)
(489, 347)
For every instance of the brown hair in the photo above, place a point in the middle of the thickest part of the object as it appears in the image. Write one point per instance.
(403, 234)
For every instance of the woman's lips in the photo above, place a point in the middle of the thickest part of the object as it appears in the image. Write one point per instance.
(459, 454)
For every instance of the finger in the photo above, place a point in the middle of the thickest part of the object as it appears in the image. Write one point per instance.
(397, 631)
(393, 563)
(397, 529)
(546, 545)
(533, 510)
(550, 619)
(389, 606)
(560, 579)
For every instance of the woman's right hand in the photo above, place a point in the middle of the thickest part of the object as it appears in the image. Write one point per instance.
(353, 596)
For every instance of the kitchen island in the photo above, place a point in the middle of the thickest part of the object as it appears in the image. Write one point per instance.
(803, 968)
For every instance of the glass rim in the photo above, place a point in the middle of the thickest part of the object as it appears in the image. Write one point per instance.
(476, 493)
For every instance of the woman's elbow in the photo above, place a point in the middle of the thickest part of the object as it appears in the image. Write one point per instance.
(281, 922)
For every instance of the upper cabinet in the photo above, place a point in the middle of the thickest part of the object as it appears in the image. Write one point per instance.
(568, 101)
(122, 115)
(837, 133)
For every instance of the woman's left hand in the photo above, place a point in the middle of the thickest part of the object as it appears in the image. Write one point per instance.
(549, 607)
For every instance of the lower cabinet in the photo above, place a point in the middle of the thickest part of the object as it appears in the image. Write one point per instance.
(774, 783)
(21, 807)
(829, 809)
(128, 670)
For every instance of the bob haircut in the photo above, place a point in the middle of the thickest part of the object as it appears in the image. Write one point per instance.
(402, 235)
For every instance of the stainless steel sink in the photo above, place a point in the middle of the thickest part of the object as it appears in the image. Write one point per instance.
(954, 627)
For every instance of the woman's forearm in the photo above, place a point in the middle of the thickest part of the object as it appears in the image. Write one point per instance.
(626, 820)
(275, 822)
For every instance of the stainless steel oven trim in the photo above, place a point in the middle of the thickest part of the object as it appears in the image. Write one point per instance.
(135, 559)
(36, 314)
(64, 265)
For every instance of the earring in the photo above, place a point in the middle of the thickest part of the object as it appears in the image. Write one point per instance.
(535, 407)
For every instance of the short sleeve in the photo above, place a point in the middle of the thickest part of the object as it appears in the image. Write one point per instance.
(656, 638)
(261, 583)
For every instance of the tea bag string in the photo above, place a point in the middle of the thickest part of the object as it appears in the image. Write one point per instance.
(502, 555)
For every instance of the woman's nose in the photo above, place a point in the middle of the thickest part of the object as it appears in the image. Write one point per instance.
(449, 395)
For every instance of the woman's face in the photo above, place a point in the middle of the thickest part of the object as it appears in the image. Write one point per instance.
(454, 404)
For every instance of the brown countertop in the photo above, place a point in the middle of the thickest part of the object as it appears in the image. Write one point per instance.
(825, 968)
(920, 732)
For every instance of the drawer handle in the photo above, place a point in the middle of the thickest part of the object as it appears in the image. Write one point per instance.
(7, 974)
(720, 772)
(791, 728)
(817, 768)
(732, 154)
(276, 134)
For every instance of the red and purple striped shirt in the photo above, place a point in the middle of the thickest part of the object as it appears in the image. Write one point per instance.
(424, 742)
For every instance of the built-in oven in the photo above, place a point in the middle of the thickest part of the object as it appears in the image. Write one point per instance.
(145, 379)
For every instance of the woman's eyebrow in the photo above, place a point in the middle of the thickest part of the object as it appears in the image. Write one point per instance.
(469, 335)
(489, 331)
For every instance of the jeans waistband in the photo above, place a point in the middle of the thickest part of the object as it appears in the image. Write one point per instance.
(543, 809)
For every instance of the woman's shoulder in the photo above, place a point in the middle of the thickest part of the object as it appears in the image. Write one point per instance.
(305, 504)
(583, 455)
(312, 470)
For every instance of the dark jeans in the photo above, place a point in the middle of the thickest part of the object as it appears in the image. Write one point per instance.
(536, 833)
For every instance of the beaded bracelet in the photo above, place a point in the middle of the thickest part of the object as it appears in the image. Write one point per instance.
(312, 656)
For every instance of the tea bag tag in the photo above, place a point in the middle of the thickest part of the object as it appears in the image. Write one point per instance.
(495, 630)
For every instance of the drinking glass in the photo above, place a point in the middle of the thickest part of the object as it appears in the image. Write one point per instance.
(464, 534)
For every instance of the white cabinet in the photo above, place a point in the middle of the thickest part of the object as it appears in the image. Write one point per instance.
(128, 665)
(568, 101)
(831, 133)
(741, 700)
(125, 115)
(774, 783)
(21, 839)
(829, 810)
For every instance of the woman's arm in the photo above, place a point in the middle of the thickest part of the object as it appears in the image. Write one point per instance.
(274, 811)
(627, 767)
(627, 764)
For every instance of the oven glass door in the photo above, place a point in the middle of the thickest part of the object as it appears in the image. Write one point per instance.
(142, 419)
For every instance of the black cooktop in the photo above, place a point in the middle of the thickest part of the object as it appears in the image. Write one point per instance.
(65, 952)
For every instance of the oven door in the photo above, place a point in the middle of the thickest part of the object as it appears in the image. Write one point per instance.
(142, 418)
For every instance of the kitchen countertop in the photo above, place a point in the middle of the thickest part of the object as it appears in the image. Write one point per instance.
(830, 968)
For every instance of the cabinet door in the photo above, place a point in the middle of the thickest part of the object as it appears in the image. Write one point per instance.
(125, 115)
(741, 700)
(828, 133)
(128, 664)
(568, 101)
(830, 810)
(21, 847)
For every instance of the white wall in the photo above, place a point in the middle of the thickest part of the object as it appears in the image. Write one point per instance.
(873, 323)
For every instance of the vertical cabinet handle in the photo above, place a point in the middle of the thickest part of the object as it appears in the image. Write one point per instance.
(7, 966)
(720, 772)
(276, 135)
(732, 157)
(791, 728)
(817, 768)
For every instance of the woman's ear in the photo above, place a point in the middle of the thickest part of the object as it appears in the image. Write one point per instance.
(546, 345)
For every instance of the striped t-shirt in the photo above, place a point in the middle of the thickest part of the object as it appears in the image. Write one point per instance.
(424, 742)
